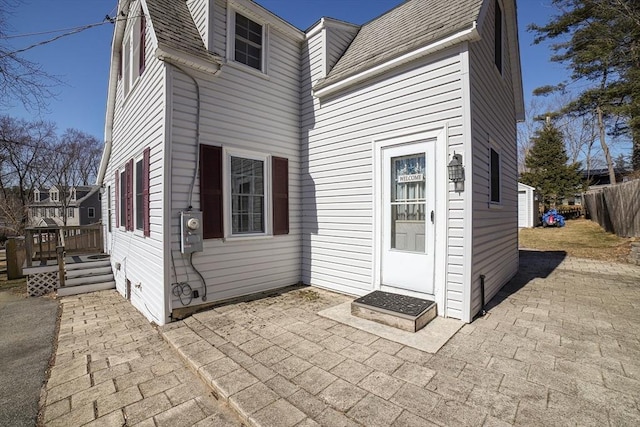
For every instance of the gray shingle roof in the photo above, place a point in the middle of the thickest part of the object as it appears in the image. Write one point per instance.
(175, 29)
(411, 25)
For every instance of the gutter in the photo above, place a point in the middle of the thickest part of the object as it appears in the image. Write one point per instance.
(175, 57)
(470, 34)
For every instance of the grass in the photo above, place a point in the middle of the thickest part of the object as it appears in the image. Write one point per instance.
(578, 238)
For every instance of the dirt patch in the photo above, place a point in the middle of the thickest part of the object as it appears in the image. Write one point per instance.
(17, 286)
(579, 238)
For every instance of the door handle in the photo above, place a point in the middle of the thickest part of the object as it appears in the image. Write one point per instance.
(432, 217)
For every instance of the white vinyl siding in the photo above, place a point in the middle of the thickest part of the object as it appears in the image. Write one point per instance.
(337, 38)
(338, 240)
(495, 232)
(138, 123)
(200, 12)
(240, 111)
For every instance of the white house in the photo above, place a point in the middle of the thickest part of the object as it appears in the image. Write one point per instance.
(243, 154)
(71, 206)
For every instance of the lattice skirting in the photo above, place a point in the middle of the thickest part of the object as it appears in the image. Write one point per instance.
(42, 283)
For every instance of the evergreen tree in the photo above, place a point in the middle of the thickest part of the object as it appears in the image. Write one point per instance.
(547, 167)
(599, 41)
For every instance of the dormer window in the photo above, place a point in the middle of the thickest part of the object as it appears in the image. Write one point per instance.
(248, 38)
(133, 51)
(73, 194)
(55, 196)
(36, 196)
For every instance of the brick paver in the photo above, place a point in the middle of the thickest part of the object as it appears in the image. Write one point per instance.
(112, 368)
(560, 345)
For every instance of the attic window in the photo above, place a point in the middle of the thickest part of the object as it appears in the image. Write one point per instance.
(248, 42)
(498, 37)
(133, 51)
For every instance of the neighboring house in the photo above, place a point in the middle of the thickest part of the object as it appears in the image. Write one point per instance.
(528, 206)
(317, 156)
(81, 207)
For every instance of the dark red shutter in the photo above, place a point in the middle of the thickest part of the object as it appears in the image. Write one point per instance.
(117, 199)
(129, 185)
(121, 64)
(143, 40)
(211, 191)
(145, 191)
(280, 189)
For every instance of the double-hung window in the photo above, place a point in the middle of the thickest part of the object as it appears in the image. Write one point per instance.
(243, 193)
(133, 52)
(494, 176)
(247, 182)
(139, 188)
(248, 42)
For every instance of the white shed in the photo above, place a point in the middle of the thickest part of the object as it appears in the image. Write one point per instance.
(527, 206)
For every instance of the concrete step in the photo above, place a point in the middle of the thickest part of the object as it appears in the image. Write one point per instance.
(83, 289)
(399, 311)
(89, 279)
(88, 272)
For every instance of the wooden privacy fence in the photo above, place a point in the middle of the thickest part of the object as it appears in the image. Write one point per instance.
(616, 208)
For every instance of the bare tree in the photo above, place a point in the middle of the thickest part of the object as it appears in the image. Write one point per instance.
(21, 80)
(75, 163)
(25, 164)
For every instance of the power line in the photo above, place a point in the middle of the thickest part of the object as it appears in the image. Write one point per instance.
(74, 30)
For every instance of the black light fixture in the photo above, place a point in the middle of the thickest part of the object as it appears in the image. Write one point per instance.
(456, 172)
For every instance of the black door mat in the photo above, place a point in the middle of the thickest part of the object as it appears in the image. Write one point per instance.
(401, 304)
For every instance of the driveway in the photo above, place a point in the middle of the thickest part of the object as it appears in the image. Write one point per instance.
(27, 334)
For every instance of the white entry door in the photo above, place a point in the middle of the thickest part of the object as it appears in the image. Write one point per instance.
(408, 209)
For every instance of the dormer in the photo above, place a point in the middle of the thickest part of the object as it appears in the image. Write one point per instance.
(36, 195)
(73, 194)
(54, 194)
(332, 38)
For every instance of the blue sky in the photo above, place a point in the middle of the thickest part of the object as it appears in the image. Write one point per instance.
(81, 61)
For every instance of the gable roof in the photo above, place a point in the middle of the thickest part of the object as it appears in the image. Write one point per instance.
(413, 24)
(175, 29)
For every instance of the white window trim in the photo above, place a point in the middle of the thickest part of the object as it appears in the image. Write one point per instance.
(89, 210)
(492, 204)
(226, 193)
(36, 196)
(130, 55)
(231, 39)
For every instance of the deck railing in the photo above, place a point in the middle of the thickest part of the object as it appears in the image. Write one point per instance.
(49, 243)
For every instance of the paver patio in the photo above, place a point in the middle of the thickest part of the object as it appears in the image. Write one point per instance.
(112, 368)
(560, 345)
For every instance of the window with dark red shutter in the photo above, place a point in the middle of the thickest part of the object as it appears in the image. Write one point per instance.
(129, 176)
(280, 191)
(146, 163)
(117, 197)
(211, 191)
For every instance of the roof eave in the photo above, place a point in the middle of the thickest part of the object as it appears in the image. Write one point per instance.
(469, 34)
(165, 53)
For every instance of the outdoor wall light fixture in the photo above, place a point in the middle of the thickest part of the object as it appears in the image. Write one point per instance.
(456, 172)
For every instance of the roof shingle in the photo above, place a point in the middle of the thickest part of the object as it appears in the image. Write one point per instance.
(411, 25)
